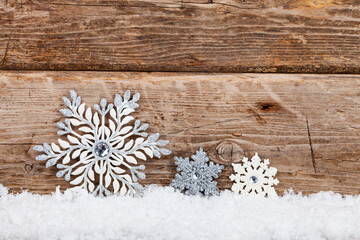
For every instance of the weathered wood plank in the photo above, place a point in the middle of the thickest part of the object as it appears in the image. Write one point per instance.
(308, 125)
(303, 36)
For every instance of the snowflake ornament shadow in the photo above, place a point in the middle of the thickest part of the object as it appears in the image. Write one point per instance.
(254, 177)
(196, 175)
(102, 148)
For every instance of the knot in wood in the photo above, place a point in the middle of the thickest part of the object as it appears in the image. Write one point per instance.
(229, 151)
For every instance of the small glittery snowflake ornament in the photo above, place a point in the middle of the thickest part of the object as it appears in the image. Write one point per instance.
(254, 177)
(196, 175)
(102, 148)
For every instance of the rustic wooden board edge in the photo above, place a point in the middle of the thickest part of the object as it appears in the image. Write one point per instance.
(296, 36)
(295, 120)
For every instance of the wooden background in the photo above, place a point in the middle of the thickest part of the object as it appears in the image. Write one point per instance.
(236, 77)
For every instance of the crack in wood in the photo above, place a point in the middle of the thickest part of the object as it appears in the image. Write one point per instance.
(311, 147)
(6, 51)
(257, 116)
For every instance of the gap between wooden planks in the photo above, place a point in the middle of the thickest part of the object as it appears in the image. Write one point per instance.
(301, 36)
(307, 125)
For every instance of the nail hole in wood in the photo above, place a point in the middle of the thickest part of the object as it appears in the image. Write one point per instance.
(28, 167)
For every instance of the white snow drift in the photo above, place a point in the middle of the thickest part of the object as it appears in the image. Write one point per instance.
(165, 214)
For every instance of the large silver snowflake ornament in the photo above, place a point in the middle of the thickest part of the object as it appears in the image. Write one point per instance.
(102, 148)
(254, 177)
(197, 175)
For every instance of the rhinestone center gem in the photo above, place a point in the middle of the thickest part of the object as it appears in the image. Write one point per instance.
(253, 179)
(196, 175)
(102, 149)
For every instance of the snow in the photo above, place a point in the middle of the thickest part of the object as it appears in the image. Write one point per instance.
(163, 213)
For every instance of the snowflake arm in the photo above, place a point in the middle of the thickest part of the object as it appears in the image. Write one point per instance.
(103, 147)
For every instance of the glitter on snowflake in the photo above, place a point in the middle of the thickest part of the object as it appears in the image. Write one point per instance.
(254, 177)
(196, 175)
(102, 148)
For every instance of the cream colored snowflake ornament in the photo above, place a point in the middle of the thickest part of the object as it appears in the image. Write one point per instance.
(254, 177)
(102, 148)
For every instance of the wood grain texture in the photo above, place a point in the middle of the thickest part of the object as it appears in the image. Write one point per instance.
(299, 36)
(308, 125)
